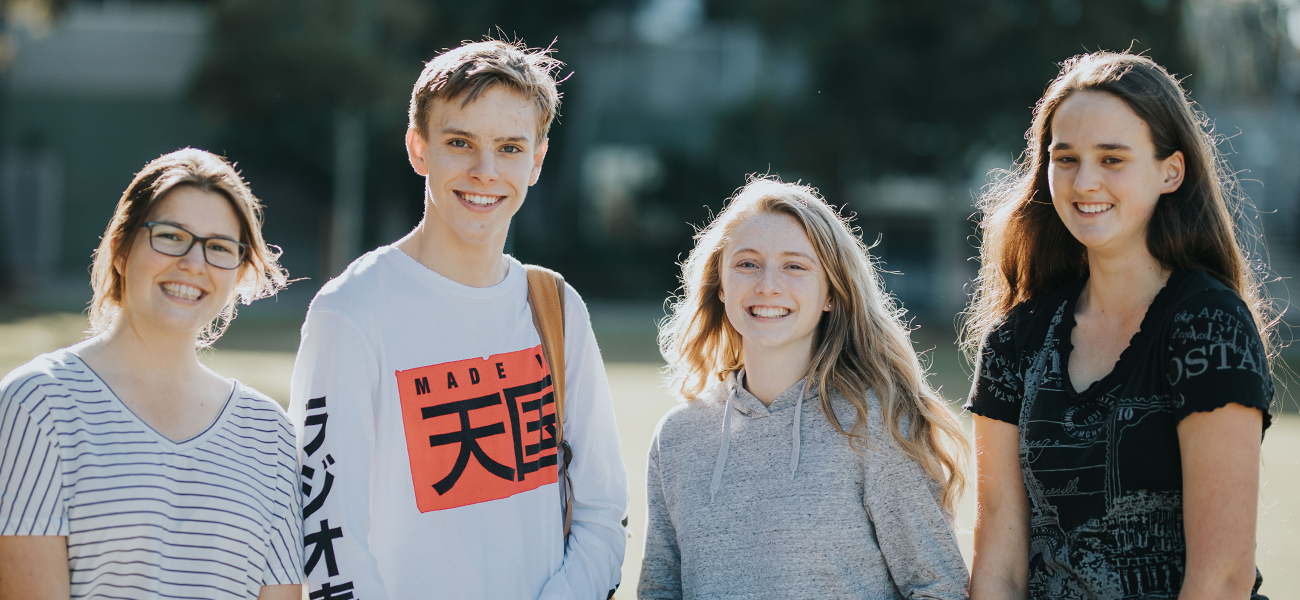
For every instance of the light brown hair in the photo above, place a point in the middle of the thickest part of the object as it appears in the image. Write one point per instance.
(862, 344)
(468, 71)
(1026, 249)
(259, 276)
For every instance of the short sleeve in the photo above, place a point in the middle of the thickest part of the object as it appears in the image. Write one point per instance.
(1214, 356)
(284, 552)
(998, 388)
(31, 470)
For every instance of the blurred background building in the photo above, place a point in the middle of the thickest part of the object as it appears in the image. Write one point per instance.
(896, 111)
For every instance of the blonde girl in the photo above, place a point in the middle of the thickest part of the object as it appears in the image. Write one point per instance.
(810, 458)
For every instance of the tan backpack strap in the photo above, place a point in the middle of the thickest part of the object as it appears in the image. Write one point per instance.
(545, 296)
(546, 299)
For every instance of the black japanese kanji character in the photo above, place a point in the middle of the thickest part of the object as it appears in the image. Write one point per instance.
(323, 541)
(342, 591)
(319, 501)
(468, 438)
(543, 423)
(317, 419)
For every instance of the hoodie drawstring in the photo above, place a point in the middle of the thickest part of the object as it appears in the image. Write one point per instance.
(794, 451)
(726, 443)
(722, 452)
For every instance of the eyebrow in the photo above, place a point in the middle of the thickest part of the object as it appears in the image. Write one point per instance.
(786, 253)
(518, 139)
(186, 228)
(1105, 146)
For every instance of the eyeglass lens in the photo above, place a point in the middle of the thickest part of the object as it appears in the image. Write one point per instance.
(174, 241)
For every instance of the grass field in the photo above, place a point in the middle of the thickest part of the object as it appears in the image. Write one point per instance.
(260, 354)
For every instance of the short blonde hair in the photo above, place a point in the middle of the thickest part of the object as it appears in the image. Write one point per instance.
(260, 275)
(468, 71)
(862, 344)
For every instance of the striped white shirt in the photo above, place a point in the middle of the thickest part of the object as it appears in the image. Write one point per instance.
(215, 516)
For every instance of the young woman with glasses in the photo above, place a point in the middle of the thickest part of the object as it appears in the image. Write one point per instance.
(1122, 385)
(128, 469)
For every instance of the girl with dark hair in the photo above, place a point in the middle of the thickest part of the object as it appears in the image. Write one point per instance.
(1121, 342)
(130, 470)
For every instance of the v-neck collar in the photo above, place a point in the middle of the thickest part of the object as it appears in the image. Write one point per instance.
(171, 445)
(1136, 344)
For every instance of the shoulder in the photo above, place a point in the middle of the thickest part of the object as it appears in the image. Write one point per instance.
(256, 402)
(49, 387)
(1193, 281)
(876, 418)
(690, 417)
(575, 309)
(46, 375)
(1203, 309)
(1200, 295)
(1030, 318)
(257, 415)
(355, 288)
(1041, 309)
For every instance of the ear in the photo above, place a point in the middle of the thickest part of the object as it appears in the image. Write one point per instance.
(1175, 168)
(538, 156)
(416, 149)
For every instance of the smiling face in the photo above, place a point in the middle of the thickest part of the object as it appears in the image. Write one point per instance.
(773, 286)
(1104, 176)
(478, 161)
(178, 293)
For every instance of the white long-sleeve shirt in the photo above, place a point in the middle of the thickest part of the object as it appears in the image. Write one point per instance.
(424, 419)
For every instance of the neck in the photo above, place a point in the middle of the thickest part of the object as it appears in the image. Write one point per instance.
(128, 350)
(770, 371)
(1122, 284)
(443, 252)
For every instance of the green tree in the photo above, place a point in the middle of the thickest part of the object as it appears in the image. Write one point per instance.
(920, 87)
(319, 88)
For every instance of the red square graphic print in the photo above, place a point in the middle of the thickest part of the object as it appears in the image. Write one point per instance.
(479, 429)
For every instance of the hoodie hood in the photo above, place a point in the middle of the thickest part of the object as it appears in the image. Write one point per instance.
(742, 404)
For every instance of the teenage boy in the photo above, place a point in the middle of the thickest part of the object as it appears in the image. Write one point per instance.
(421, 400)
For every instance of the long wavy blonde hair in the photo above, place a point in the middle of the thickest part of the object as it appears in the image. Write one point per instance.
(862, 343)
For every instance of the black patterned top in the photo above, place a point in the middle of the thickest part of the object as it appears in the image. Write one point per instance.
(1102, 467)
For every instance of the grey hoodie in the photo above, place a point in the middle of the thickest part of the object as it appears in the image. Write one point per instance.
(750, 501)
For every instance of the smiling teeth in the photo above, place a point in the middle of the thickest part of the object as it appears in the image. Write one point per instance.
(769, 311)
(479, 199)
(180, 290)
(1094, 208)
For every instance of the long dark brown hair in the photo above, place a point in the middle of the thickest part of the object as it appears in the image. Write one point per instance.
(1026, 250)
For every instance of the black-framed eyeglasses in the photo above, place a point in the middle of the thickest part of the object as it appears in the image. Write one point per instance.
(222, 253)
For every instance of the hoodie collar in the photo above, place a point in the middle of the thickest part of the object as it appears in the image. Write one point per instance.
(750, 406)
(740, 400)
